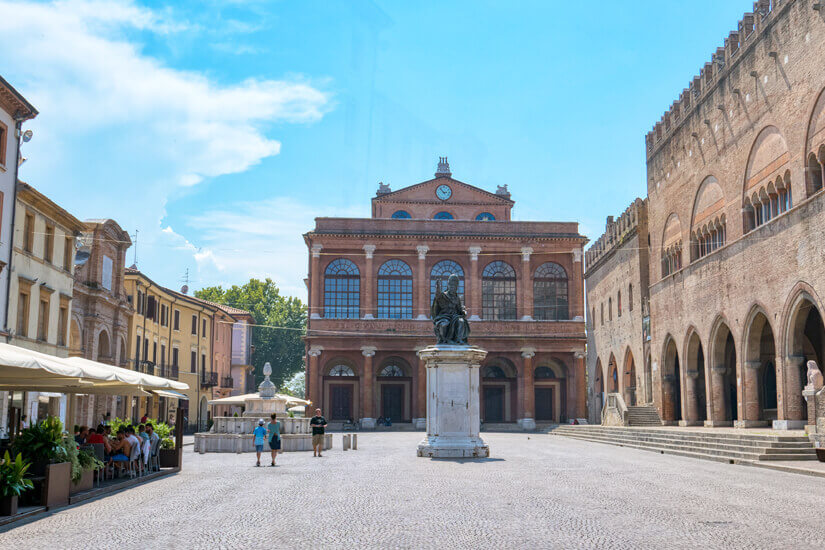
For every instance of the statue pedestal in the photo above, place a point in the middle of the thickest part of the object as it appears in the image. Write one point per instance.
(452, 403)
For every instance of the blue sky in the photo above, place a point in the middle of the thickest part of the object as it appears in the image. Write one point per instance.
(219, 128)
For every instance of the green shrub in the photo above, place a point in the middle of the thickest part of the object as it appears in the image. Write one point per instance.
(161, 428)
(13, 480)
(42, 442)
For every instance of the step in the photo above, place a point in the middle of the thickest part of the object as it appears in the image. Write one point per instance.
(675, 437)
(692, 434)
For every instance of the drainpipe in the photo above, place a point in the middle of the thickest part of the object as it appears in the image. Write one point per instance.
(18, 128)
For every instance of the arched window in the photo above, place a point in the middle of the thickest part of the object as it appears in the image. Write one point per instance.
(629, 297)
(498, 291)
(814, 174)
(341, 370)
(602, 314)
(485, 217)
(494, 372)
(341, 290)
(550, 292)
(610, 309)
(441, 272)
(543, 373)
(394, 290)
(401, 215)
(391, 371)
(443, 216)
(619, 303)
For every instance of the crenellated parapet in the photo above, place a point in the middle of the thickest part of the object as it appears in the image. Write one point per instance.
(616, 231)
(709, 77)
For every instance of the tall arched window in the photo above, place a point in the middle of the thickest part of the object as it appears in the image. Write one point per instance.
(441, 272)
(498, 291)
(401, 215)
(630, 298)
(443, 216)
(341, 290)
(550, 292)
(394, 290)
(610, 309)
(619, 303)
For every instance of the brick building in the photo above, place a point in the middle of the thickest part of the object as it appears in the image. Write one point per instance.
(735, 215)
(371, 282)
(99, 327)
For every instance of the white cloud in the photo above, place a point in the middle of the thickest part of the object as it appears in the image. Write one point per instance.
(123, 127)
(260, 239)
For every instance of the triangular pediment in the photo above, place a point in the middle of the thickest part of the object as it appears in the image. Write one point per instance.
(459, 193)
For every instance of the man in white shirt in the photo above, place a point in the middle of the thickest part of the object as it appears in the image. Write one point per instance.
(133, 439)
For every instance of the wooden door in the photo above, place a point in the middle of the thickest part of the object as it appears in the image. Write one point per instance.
(494, 404)
(544, 404)
(341, 397)
(392, 402)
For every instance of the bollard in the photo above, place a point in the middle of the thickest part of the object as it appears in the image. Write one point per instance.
(354, 442)
(345, 442)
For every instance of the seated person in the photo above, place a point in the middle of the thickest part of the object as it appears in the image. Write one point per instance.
(134, 440)
(96, 436)
(121, 449)
(154, 439)
(80, 436)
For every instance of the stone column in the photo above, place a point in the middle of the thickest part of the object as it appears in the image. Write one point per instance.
(527, 390)
(367, 397)
(717, 397)
(315, 277)
(668, 412)
(421, 282)
(575, 300)
(420, 422)
(369, 283)
(752, 410)
(792, 390)
(691, 399)
(314, 381)
(526, 283)
(472, 286)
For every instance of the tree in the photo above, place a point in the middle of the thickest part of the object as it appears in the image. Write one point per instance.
(282, 320)
(296, 386)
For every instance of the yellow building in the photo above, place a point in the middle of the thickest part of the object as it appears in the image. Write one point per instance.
(170, 335)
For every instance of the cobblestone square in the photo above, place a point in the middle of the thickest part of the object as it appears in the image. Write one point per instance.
(537, 491)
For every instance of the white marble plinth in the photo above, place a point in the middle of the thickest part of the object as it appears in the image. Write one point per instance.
(527, 424)
(419, 423)
(789, 424)
(453, 403)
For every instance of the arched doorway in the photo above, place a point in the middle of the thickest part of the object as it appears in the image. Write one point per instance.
(695, 394)
(550, 390)
(725, 395)
(598, 390)
(671, 383)
(341, 390)
(806, 338)
(648, 381)
(761, 399)
(498, 382)
(612, 375)
(394, 383)
(104, 353)
(203, 414)
(629, 379)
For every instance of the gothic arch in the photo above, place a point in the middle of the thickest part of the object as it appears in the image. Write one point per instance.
(722, 362)
(804, 340)
(768, 158)
(814, 140)
(613, 380)
(76, 336)
(695, 386)
(103, 346)
(759, 353)
(671, 249)
(707, 223)
(629, 378)
(671, 381)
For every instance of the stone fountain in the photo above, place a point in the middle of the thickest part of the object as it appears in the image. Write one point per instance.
(233, 434)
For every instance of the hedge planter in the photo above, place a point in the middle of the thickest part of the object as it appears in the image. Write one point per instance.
(8, 506)
(168, 458)
(85, 483)
(58, 484)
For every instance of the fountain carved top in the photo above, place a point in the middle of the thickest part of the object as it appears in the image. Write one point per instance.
(266, 389)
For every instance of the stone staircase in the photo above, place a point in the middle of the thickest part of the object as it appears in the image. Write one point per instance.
(733, 447)
(643, 415)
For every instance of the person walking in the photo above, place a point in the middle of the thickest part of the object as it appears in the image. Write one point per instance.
(318, 424)
(260, 437)
(274, 435)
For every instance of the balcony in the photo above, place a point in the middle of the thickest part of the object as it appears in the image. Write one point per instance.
(146, 367)
(227, 382)
(169, 371)
(209, 379)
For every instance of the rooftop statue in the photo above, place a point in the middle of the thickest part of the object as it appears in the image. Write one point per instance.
(448, 314)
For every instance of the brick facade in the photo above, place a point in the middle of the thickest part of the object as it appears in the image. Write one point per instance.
(735, 210)
(373, 340)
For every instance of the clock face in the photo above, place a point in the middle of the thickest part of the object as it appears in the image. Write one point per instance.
(443, 192)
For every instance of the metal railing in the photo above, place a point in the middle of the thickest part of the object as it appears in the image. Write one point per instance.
(169, 371)
(209, 379)
(227, 382)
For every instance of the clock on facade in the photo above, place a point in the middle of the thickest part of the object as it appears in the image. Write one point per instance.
(443, 192)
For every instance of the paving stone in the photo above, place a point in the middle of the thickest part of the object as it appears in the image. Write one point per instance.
(536, 491)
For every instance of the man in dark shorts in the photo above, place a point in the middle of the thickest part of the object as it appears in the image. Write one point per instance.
(318, 424)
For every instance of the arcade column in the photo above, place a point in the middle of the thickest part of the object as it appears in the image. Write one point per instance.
(367, 397)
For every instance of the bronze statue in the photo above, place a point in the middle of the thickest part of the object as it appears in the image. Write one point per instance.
(448, 314)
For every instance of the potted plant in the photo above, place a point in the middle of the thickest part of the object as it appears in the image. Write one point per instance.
(83, 465)
(42, 445)
(167, 453)
(13, 482)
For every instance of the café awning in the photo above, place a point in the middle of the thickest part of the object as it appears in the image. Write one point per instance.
(22, 369)
(172, 394)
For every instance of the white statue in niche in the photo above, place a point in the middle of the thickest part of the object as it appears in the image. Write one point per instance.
(814, 377)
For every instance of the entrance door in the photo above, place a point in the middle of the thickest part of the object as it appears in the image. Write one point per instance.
(544, 404)
(341, 397)
(494, 404)
(392, 402)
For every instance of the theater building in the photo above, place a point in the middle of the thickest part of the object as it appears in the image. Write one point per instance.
(371, 282)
